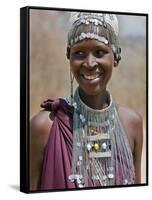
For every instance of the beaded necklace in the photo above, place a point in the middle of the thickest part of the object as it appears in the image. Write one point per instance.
(101, 151)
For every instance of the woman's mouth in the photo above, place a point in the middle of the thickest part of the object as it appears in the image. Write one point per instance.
(91, 76)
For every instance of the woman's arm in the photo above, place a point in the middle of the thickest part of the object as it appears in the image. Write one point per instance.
(138, 127)
(40, 126)
(132, 123)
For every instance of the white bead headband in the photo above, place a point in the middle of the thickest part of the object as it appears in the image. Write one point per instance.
(83, 36)
(94, 24)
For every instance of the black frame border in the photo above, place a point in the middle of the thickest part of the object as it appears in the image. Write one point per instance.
(24, 99)
(25, 92)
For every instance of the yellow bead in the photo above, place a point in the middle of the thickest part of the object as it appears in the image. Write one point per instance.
(95, 132)
(98, 132)
(96, 146)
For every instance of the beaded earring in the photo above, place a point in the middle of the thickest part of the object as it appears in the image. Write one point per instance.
(71, 87)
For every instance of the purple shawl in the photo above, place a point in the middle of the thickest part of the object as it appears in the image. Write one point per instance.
(58, 151)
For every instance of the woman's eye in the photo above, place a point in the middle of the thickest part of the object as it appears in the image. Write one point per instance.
(79, 54)
(99, 53)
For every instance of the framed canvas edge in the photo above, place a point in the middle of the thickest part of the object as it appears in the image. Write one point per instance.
(24, 99)
(25, 92)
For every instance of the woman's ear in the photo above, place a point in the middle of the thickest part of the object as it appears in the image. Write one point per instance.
(68, 53)
(115, 63)
(117, 56)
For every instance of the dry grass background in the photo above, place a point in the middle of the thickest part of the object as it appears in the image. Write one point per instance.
(49, 68)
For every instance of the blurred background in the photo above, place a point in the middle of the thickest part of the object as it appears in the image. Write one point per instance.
(49, 67)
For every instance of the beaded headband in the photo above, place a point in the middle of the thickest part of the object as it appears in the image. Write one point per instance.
(99, 26)
(97, 19)
(83, 36)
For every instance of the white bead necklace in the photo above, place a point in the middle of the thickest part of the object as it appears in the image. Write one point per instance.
(101, 151)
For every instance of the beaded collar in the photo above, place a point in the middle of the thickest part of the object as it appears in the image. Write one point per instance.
(101, 151)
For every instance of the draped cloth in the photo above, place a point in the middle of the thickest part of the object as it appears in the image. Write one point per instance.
(56, 166)
(58, 151)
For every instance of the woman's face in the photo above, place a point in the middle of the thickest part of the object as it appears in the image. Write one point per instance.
(91, 63)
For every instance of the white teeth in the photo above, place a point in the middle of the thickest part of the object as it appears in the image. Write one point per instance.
(91, 77)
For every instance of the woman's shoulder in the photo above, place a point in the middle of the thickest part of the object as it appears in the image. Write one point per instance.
(133, 126)
(130, 115)
(40, 125)
(41, 119)
(132, 122)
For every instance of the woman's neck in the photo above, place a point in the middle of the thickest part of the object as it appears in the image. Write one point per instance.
(97, 102)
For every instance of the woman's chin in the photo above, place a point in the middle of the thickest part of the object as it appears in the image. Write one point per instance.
(92, 91)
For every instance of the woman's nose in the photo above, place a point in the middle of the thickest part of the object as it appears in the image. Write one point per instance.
(90, 61)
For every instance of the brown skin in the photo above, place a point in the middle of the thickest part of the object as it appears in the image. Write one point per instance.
(92, 58)
(89, 60)
(39, 132)
(132, 123)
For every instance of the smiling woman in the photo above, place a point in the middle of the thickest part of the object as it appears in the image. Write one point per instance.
(87, 140)
(91, 64)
